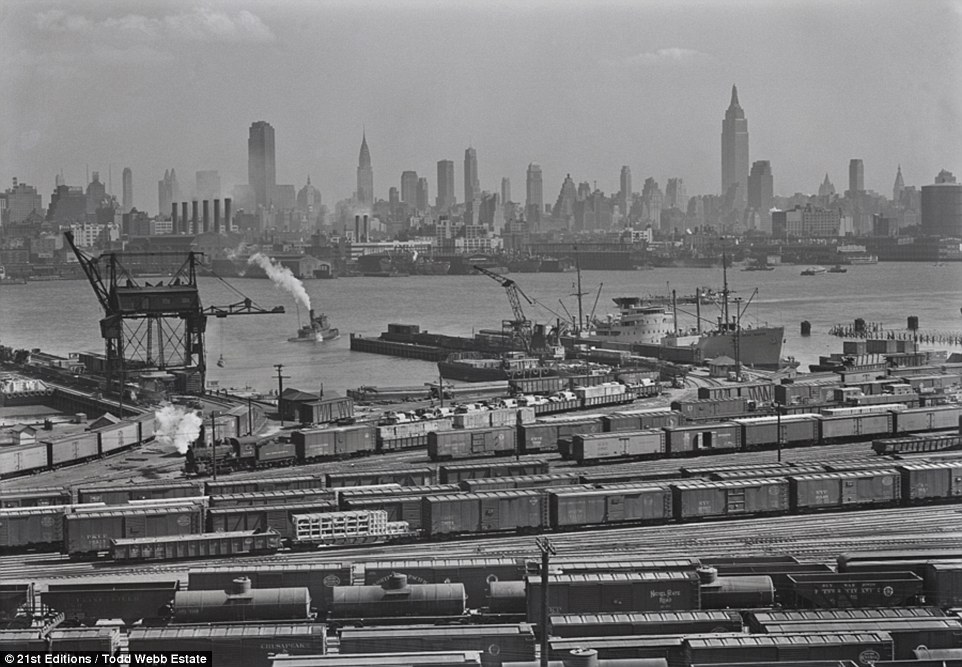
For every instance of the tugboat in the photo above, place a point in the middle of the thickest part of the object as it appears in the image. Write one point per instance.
(838, 268)
(813, 270)
(317, 330)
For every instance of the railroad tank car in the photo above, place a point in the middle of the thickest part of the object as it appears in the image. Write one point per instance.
(237, 645)
(863, 648)
(35, 497)
(485, 512)
(931, 482)
(469, 443)
(475, 574)
(735, 592)
(520, 482)
(240, 602)
(225, 487)
(598, 447)
(574, 508)
(397, 598)
(270, 498)
(698, 439)
(88, 533)
(834, 490)
(842, 590)
(696, 499)
(495, 642)
(907, 634)
(72, 449)
(334, 442)
(23, 459)
(121, 598)
(936, 418)
(789, 430)
(453, 473)
(640, 420)
(31, 527)
(203, 545)
(614, 592)
(119, 494)
(853, 427)
(645, 623)
(102, 640)
(270, 517)
(543, 435)
(405, 477)
(319, 579)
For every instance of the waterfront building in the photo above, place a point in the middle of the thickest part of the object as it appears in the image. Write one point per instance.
(423, 198)
(734, 152)
(91, 234)
(261, 167)
(472, 186)
(856, 177)
(942, 207)
(409, 188)
(446, 199)
(128, 190)
(20, 202)
(534, 200)
(810, 221)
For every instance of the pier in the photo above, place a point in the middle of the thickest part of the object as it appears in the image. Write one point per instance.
(397, 349)
(878, 331)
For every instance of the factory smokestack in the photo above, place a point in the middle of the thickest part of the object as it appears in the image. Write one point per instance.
(366, 229)
(217, 216)
(173, 218)
(357, 229)
(205, 209)
(184, 224)
(194, 227)
(228, 226)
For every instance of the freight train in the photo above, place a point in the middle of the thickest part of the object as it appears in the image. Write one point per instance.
(620, 436)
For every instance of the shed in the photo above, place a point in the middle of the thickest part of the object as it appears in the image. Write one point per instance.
(720, 367)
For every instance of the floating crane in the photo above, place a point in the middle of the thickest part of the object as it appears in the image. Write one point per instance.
(520, 326)
(157, 327)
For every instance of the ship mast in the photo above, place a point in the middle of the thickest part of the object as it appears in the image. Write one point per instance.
(725, 287)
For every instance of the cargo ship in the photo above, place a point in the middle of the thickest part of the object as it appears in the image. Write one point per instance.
(317, 330)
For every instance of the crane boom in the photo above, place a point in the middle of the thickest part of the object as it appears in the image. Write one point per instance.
(91, 270)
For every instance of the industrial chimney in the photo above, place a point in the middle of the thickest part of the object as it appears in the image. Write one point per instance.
(228, 226)
(205, 208)
(366, 229)
(173, 218)
(184, 224)
(217, 216)
(194, 227)
(357, 229)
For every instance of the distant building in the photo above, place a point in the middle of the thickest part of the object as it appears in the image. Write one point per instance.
(365, 174)
(244, 198)
(624, 195)
(168, 192)
(564, 207)
(734, 152)
(409, 188)
(899, 186)
(534, 199)
(472, 186)
(68, 203)
(96, 193)
(281, 197)
(505, 190)
(309, 201)
(856, 177)
(446, 198)
(20, 202)
(675, 195)
(826, 189)
(128, 190)
(942, 207)
(261, 166)
(809, 221)
(423, 195)
(761, 186)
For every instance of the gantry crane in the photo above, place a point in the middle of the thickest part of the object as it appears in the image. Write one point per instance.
(154, 327)
(520, 326)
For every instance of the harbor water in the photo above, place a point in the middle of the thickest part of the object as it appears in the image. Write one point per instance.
(63, 316)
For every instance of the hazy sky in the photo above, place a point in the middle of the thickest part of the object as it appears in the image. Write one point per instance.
(581, 87)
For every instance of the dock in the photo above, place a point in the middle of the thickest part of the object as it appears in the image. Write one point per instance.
(397, 349)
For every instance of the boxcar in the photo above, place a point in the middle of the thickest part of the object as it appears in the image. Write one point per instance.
(854, 427)
(72, 449)
(23, 459)
(260, 498)
(757, 619)
(486, 512)
(640, 420)
(247, 645)
(615, 592)
(943, 584)
(931, 482)
(119, 494)
(711, 408)
(119, 436)
(341, 441)
(573, 508)
(927, 419)
(848, 589)
(36, 497)
(91, 532)
(204, 545)
(521, 482)
(469, 443)
(907, 633)
(398, 507)
(848, 560)
(276, 517)
(454, 472)
(651, 623)
(863, 648)
(833, 490)
(404, 477)
(596, 447)
(543, 435)
(31, 527)
(222, 487)
(127, 600)
(697, 499)
(101, 640)
(319, 579)
(790, 431)
(496, 643)
(717, 437)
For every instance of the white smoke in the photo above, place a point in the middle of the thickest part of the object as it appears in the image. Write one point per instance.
(173, 425)
(282, 277)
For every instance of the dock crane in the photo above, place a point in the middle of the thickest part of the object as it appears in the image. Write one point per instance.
(157, 327)
(520, 326)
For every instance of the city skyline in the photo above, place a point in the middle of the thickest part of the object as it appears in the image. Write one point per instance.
(653, 104)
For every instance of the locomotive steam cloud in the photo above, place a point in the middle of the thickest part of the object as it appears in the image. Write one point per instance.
(176, 426)
(282, 277)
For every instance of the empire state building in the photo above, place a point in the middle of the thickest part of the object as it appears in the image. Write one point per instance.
(734, 151)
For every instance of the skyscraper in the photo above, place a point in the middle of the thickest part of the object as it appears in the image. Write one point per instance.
(624, 195)
(472, 187)
(734, 151)
(899, 186)
(534, 200)
(128, 191)
(423, 195)
(856, 176)
(760, 186)
(168, 192)
(446, 198)
(505, 190)
(409, 188)
(261, 170)
(365, 174)
(675, 194)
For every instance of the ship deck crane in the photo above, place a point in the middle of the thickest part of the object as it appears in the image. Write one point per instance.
(520, 326)
(155, 327)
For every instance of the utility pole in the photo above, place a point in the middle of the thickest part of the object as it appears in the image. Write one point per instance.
(280, 390)
(250, 416)
(778, 427)
(547, 549)
(213, 441)
(441, 387)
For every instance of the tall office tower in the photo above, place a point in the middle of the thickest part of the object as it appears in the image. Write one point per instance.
(942, 207)
(96, 193)
(128, 195)
(423, 195)
(21, 201)
(534, 199)
(472, 187)
(826, 189)
(365, 174)
(208, 185)
(564, 206)
(761, 186)
(624, 195)
(734, 151)
(168, 192)
(446, 198)
(676, 195)
(409, 188)
(505, 190)
(261, 169)
(899, 186)
(856, 176)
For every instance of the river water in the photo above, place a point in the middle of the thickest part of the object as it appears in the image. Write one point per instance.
(63, 316)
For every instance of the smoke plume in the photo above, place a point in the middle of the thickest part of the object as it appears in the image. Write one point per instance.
(176, 426)
(282, 277)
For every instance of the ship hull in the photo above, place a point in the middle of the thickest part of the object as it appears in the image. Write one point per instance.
(761, 348)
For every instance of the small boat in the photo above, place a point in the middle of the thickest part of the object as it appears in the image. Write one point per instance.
(317, 330)
(220, 362)
(813, 270)
(838, 268)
